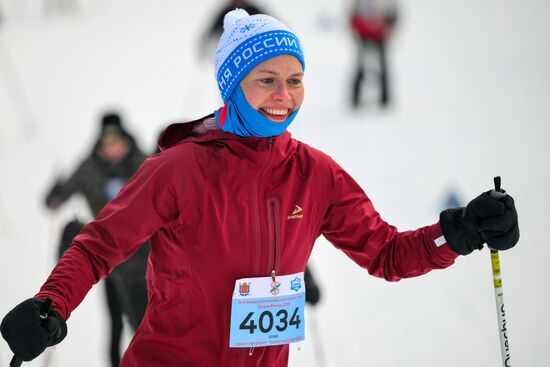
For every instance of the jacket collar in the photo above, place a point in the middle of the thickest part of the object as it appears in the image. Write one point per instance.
(178, 133)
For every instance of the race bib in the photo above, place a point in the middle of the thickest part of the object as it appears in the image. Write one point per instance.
(267, 311)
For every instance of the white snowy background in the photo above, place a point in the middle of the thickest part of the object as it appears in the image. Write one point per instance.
(471, 82)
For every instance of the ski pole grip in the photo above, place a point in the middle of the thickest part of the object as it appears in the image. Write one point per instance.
(497, 193)
(15, 362)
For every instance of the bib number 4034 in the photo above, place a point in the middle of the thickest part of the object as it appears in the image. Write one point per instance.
(266, 321)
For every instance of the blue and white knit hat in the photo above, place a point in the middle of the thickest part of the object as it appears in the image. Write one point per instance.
(248, 40)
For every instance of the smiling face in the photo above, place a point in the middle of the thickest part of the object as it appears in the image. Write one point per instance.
(275, 88)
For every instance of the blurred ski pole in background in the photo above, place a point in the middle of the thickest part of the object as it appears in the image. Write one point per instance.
(318, 348)
(15, 90)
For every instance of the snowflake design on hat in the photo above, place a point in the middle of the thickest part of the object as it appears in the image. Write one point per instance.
(247, 27)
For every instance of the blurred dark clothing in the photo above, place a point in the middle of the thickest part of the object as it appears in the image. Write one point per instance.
(99, 181)
(115, 317)
(363, 73)
(372, 22)
(95, 178)
(216, 28)
(70, 230)
(313, 292)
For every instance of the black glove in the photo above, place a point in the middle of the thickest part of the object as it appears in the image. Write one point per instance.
(489, 218)
(31, 327)
(313, 293)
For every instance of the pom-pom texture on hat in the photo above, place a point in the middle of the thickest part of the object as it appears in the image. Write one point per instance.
(246, 42)
(232, 17)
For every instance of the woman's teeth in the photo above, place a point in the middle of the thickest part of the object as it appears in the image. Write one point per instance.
(275, 111)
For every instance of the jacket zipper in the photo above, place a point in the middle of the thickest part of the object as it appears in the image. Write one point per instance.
(258, 227)
(275, 234)
(257, 216)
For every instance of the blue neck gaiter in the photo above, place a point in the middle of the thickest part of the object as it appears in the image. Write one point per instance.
(240, 118)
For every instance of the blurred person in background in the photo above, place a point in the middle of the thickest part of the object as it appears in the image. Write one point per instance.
(115, 157)
(215, 30)
(59, 6)
(372, 23)
(233, 205)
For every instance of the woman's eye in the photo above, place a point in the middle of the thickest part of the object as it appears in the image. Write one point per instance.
(267, 80)
(294, 81)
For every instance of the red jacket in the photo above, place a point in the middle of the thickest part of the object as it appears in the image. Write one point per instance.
(370, 29)
(219, 207)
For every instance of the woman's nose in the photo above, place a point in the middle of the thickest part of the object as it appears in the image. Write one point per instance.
(281, 93)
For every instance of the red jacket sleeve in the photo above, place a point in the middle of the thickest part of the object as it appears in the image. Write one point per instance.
(146, 203)
(352, 224)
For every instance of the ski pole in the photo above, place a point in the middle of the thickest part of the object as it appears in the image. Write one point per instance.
(44, 309)
(317, 341)
(499, 297)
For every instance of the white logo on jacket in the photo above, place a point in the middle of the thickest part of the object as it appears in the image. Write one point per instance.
(297, 213)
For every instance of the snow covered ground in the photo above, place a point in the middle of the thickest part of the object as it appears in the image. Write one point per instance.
(471, 81)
